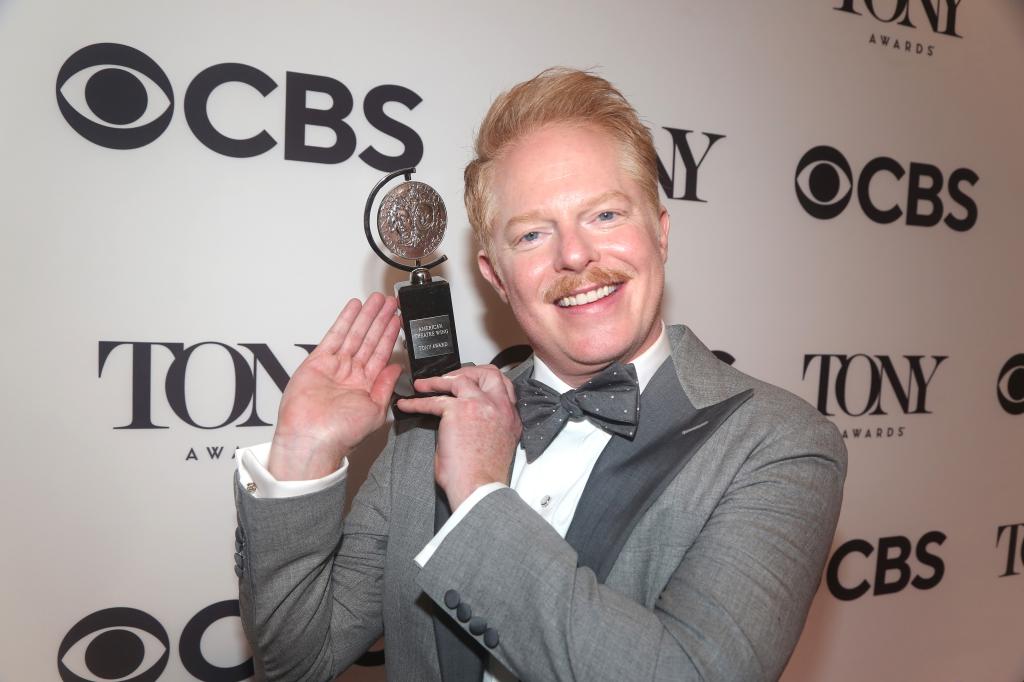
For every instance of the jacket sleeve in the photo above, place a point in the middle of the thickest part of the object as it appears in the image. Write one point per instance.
(310, 583)
(733, 609)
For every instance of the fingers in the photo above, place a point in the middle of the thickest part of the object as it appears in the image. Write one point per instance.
(384, 385)
(492, 381)
(357, 330)
(468, 381)
(460, 386)
(336, 334)
(361, 327)
(376, 330)
(435, 405)
(510, 390)
(382, 353)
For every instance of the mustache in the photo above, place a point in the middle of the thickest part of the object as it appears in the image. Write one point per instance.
(595, 276)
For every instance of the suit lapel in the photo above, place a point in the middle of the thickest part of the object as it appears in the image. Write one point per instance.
(630, 475)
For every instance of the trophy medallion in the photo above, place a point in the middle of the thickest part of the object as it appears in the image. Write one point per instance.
(411, 220)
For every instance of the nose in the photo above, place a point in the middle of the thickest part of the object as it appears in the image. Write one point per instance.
(576, 249)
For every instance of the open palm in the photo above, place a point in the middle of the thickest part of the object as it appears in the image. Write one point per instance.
(339, 395)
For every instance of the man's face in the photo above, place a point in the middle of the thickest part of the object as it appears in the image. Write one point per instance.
(575, 251)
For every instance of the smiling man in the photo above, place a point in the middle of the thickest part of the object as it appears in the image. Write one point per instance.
(622, 506)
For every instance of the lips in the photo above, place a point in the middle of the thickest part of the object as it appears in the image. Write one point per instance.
(587, 296)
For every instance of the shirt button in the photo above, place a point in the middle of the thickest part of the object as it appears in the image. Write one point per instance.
(545, 501)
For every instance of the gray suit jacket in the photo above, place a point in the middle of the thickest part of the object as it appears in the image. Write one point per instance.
(694, 553)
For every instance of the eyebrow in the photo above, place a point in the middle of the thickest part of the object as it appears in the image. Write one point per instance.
(611, 194)
(528, 217)
(531, 216)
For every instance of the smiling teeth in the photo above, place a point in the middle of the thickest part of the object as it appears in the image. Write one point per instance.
(587, 297)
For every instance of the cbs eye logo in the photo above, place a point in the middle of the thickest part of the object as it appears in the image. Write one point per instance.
(824, 182)
(129, 645)
(114, 644)
(1011, 385)
(114, 96)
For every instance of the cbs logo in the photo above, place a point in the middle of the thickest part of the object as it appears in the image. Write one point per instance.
(127, 96)
(117, 97)
(1011, 385)
(825, 184)
(892, 570)
(130, 645)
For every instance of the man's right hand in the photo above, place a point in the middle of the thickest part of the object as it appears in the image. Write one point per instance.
(340, 394)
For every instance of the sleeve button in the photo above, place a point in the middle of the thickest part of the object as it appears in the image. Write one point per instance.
(477, 626)
(491, 638)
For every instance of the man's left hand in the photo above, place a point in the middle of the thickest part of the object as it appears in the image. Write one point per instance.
(479, 428)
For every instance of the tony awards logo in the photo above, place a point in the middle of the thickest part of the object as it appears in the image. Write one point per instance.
(411, 221)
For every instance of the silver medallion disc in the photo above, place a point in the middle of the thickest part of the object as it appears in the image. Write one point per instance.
(411, 220)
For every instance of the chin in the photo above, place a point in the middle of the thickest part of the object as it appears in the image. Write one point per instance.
(600, 354)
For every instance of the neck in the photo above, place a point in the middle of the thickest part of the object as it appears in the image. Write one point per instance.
(576, 380)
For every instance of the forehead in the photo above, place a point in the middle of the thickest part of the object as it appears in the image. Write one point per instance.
(555, 166)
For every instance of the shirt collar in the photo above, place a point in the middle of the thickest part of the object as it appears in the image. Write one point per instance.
(646, 364)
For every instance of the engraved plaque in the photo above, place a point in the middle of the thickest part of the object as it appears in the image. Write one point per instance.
(430, 336)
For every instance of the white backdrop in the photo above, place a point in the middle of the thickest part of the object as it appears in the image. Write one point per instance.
(112, 256)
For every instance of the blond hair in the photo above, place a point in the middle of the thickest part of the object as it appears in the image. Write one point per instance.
(557, 95)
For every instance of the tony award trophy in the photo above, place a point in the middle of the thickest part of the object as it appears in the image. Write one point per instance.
(411, 221)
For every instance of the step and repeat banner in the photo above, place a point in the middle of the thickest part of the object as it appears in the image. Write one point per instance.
(181, 193)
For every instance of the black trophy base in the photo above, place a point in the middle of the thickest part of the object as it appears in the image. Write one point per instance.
(429, 324)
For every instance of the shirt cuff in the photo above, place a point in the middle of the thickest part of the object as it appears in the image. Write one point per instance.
(480, 493)
(252, 472)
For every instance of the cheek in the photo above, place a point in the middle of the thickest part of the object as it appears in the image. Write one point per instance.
(636, 248)
(525, 283)
(650, 256)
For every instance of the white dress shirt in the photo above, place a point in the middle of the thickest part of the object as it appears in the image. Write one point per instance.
(551, 485)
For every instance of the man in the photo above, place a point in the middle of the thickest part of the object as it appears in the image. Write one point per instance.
(668, 516)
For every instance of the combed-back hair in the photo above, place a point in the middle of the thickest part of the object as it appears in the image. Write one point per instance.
(563, 96)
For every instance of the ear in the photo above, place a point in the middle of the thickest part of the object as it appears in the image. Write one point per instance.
(664, 225)
(483, 261)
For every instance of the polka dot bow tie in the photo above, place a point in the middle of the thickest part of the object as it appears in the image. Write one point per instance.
(610, 400)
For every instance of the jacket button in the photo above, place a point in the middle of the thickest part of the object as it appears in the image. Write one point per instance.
(463, 613)
(451, 599)
(477, 626)
(491, 638)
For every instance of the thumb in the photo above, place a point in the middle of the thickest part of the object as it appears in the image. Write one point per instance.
(384, 385)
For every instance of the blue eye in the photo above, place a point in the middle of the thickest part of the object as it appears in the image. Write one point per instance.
(530, 236)
(606, 215)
